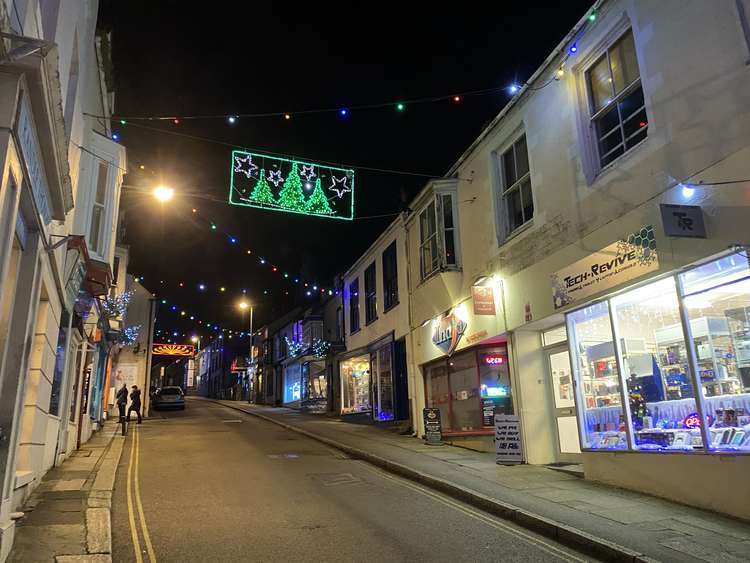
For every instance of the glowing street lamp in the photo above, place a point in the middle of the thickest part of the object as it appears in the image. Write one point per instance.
(163, 193)
(244, 306)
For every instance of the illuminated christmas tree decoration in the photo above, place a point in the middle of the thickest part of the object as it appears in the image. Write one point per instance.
(292, 186)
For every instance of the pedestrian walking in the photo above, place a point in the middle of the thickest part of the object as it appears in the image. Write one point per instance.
(122, 400)
(135, 403)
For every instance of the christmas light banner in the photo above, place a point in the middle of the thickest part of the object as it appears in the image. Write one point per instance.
(292, 186)
(161, 349)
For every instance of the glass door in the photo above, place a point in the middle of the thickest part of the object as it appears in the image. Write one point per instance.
(569, 447)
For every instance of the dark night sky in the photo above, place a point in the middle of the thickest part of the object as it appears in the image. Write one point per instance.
(237, 57)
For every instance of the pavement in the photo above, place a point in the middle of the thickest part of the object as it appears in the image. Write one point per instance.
(67, 518)
(612, 523)
(212, 484)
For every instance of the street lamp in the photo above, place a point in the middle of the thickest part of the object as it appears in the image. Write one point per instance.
(195, 339)
(163, 193)
(244, 306)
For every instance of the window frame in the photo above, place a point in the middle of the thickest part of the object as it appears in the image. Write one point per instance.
(437, 202)
(371, 293)
(505, 231)
(592, 115)
(97, 245)
(353, 289)
(389, 264)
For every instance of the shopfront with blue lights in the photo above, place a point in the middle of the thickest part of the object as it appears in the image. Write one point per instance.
(652, 362)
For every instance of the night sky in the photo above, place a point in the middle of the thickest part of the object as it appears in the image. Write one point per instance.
(222, 58)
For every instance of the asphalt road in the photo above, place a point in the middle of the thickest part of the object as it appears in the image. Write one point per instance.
(218, 485)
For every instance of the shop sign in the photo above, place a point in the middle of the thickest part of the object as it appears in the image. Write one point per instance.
(73, 286)
(32, 156)
(508, 447)
(494, 359)
(447, 332)
(85, 392)
(476, 337)
(483, 298)
(433, 427)
(613, 265)
(683, 220)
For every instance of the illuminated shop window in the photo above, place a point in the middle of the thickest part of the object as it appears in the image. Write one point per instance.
(355, 385)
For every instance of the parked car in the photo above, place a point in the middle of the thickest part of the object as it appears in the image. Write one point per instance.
(169, 397)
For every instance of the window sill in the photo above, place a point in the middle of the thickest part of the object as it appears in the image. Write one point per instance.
(351, 332)
(518, 231)
(391, 306)
(368, 323)
(439, 271)
(606, 170)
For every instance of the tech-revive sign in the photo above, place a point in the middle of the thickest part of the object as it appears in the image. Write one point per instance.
(617, 263)
(447, 332)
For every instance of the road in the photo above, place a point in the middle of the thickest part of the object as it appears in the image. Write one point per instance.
(214, 484)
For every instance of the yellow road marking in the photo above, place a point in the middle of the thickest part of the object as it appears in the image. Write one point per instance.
(549, 548)
(144, 527)
(131, 516)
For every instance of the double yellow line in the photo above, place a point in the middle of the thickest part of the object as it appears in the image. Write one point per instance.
(134, 483)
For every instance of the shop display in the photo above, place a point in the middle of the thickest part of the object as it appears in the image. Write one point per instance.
(469, 388)
(653, 353)
(382, 383)
(355, 385)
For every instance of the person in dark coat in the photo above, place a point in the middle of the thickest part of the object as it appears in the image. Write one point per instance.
(135, 403)
(122, 400)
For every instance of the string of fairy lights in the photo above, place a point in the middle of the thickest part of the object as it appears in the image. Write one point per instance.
(295, 281)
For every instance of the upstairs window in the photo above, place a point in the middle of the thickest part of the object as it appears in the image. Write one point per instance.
(98, 212)
(437, 235)
(371, 295)
(618, 111)
(354, 306)
(516, 200)
(390, 277)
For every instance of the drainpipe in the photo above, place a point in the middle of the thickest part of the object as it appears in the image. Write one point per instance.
(149, 342)
(410, 364)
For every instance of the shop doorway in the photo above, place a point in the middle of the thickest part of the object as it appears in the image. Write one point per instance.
(566, 425)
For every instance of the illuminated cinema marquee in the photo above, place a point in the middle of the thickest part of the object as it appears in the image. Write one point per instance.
(292, 186)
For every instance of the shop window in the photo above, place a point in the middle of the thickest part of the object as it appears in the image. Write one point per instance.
(717, 300)
(354, 306)
(618, 110)
(469, 388)
(390, 277)
(60, 363)
(371, 295)
(516, 200)
(438, 237)
(601, 415)
(381, 362)
(655, 365)
(355, 385)
(292, 383)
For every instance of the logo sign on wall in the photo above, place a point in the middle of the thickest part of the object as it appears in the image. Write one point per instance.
(172, 349)
(484, 299)
(291, 186)
(447, 332)
(617, 263)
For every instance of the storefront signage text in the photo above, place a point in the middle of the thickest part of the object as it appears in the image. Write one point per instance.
(508, 449)
(693, 420)
(683, 220)
(494, 360)
(483, 298)
(433, 428)
(617, 263)
(32, 156)
(447, 332)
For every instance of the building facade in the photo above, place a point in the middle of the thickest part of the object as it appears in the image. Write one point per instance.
(372, 372)
(55, 258)
(585, 266)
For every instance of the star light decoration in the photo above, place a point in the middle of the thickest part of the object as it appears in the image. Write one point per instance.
(275, 178)
(245, 165)
(307, 172)
(342, 189)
